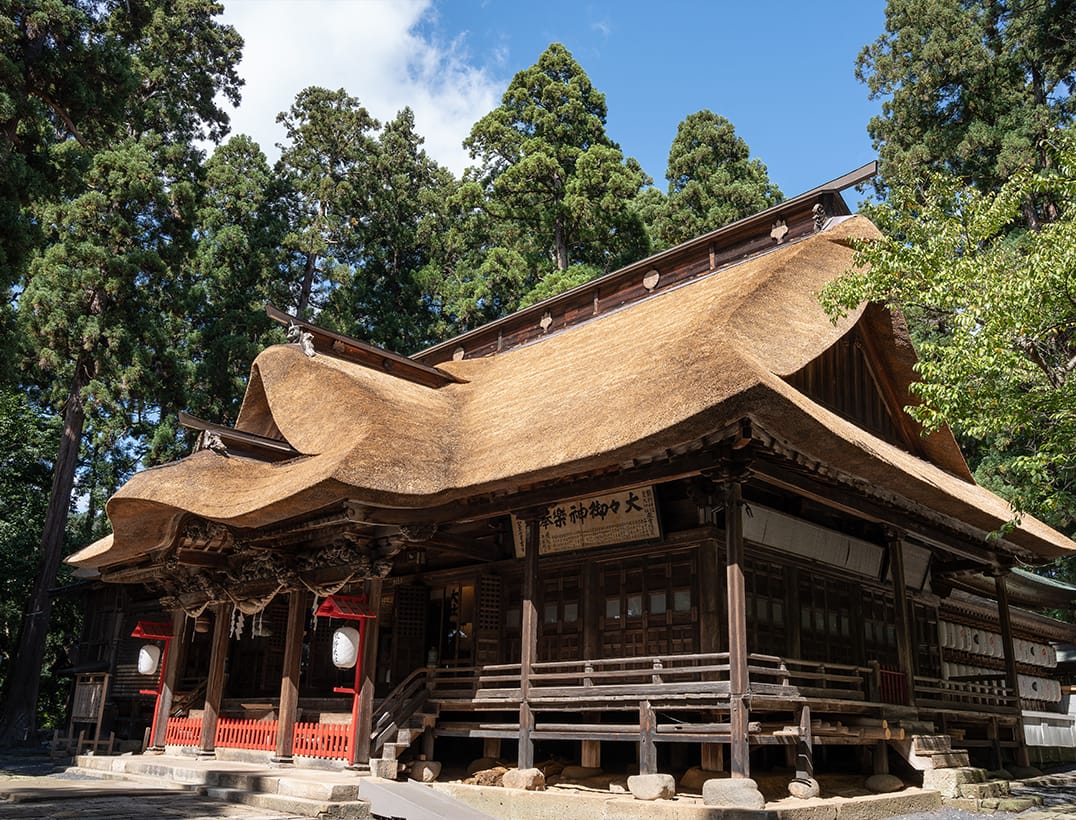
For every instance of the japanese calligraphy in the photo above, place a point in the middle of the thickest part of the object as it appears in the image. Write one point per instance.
(623, 517)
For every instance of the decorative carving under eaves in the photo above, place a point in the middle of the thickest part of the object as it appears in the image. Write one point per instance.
(262, 566)
(417, 533)
(207, 535)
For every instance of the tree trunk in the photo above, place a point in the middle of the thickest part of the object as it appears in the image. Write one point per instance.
(18, 721)
(560, 241)
(307, 284)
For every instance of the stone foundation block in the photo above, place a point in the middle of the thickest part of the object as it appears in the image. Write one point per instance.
(425, 771)
(733, 792)
(385, 768)
(652, 786)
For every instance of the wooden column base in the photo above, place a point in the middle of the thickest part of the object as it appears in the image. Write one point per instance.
(591, 754)
(713, 757)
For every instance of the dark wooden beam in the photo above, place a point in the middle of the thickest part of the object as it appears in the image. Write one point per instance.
(528, 639)
(369, 674)
(443, 542)
(905, 650)
(737, 625)
(214, 688)
(1012, 677)
(168, 681)
(289, 676)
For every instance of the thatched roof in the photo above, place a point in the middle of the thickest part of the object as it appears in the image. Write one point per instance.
(664, 371)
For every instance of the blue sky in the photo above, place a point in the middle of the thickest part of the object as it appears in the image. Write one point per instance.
(782, 72)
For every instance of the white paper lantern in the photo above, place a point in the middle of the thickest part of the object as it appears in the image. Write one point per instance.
(148, 658)
(345, 647)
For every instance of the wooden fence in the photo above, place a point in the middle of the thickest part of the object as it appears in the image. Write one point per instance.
(329, 741)
(183, 731)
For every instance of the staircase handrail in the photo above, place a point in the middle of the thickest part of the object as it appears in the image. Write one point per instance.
(394, 711)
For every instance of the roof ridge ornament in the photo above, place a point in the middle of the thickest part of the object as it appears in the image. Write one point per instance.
(303, 338)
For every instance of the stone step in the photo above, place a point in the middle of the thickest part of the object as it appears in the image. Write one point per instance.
(309, 788)
(288, 804)
(931, 744)
(993, 788)
(947, 782)
(993, 804)
(104, 774)
(945, 760)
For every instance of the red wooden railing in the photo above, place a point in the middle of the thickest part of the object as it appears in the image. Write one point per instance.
(246, 734)
(183, 731)
(330, 741)
(324, 740)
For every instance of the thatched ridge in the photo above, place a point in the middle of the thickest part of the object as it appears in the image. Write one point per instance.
(665, 371)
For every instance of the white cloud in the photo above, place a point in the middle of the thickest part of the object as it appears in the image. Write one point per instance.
(375, 49)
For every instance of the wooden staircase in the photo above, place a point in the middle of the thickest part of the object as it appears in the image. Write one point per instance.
(402, 718)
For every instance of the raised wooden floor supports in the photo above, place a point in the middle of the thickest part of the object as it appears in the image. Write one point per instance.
(1012, 678)
(739, 748)
(528, 650)
(289, 676)
(369, 672)
(172, 664)
(905, 650)
(214, 688)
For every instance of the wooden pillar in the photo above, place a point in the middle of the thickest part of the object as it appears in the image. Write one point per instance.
(289, 676)
(805, 747)
(214, 688)
(648, 754)
(1012, 677)
(591, 757)
(900, 605)
(709, 598)
(713, 757)
(593, 607)
(881, 757)
(739, 751)
(168, 682)
(369, 674)
(528, 646)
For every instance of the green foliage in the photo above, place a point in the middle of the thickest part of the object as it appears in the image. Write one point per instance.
(556, 190)
(382, 298)
(712, 180)
(326, 165)
(998, 301)
(970, 86)
(24, 486)
(99, 102)
(235, 271)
